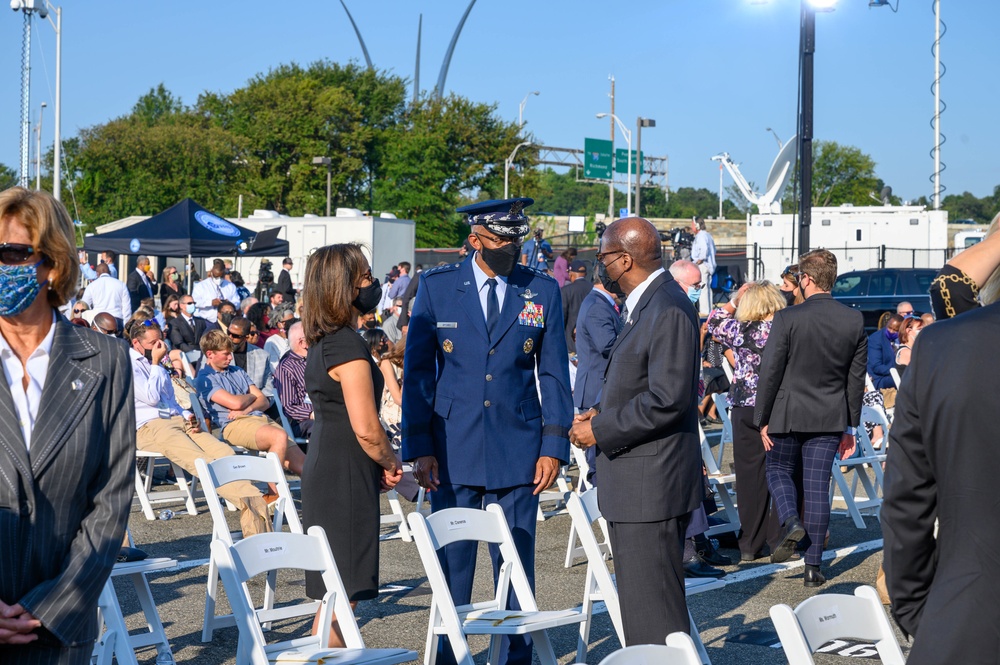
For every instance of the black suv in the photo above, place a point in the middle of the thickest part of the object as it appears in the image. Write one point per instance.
(880, 289)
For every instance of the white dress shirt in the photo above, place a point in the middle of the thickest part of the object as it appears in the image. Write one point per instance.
(107, 294)
(145, 281)
(26, 402)
(276, 346)
(633, 298)
(484, 289)
(154, 391)
(703, 249)
(207, 290)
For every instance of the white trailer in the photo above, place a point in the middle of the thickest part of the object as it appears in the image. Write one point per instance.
(856, 235)
(390, 240)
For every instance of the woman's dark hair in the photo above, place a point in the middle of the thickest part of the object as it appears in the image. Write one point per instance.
(256, 315)
(236, 278)
(375, 338)
(167, 312)
(331, 279)
(396, 355)
(569, 254)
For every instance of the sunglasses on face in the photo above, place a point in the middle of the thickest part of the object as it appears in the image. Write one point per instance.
(78, 311)
(13, 253)
(106, 331)
(239, 338)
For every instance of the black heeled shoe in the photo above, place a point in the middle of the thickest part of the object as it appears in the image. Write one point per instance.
(792, 532)
(813, 578)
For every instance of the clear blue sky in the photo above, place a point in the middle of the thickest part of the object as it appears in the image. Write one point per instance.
(713, 73)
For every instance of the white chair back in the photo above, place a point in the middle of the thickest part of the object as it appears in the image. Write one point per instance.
(679, 650)
(251, 468)
(266, 553)
(830, 616)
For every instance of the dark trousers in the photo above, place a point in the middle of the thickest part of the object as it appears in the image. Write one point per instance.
(758, 522)
(813, 452)
(46, 654)
(649, 574)
(458, 560)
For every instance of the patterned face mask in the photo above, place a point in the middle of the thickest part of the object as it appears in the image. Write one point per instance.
(19, 287)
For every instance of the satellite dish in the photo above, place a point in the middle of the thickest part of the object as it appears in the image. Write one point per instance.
(781, 172)
(886, 195)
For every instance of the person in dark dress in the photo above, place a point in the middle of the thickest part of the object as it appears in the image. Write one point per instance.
(349, 460)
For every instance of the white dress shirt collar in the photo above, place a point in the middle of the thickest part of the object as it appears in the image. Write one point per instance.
(633, 298)
(26, 402)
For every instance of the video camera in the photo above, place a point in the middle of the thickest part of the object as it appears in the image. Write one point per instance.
(265, 280)
(680, 239)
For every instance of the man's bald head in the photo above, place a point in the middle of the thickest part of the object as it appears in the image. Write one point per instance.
(685, 273)
(102, 269)
(105, 322)
(638, 238)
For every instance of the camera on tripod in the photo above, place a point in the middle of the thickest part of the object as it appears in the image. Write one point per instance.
(680, 240)
(265, 280)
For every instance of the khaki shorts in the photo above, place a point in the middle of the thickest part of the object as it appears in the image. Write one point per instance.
(242, 431)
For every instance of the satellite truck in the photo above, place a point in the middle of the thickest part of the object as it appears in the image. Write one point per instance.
(390, 240)
(861, 237)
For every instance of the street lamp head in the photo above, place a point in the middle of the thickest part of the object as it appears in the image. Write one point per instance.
(322, 161)
(602, 115)
(823, 5)
(44, 105)
(536, 92)
(647, 122)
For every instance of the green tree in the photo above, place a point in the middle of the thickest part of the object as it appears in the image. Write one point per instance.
(8, 177)
(842, 174)
(156, 106)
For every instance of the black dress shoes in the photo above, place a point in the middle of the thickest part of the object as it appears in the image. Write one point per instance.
(709, 553)
(812, 577)
(792, 532)
(698, 568)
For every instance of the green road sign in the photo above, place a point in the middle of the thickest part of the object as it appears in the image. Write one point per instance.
(621, 166)
(597, 159)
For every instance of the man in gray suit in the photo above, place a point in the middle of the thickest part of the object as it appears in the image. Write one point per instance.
(646, 432)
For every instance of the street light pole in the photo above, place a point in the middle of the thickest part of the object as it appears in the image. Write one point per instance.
(627, 133)
(38, 148)
(508, 162)
(639, 124)
(776, 138)
(328, 163)
(520, 108)
(807, 47)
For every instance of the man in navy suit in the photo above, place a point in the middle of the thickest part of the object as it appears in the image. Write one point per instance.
(474, 424)
(597, 326)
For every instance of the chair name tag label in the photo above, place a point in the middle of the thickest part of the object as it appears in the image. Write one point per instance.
(457, 524)
(272, 551)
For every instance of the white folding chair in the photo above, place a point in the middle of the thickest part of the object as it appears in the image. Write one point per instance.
(268, 552)
(224, 470)
(722, 406)
(830, 616)
(285, 423)
(896, 378)
(724, 485)
(185, 492)
(679, 650)
(488, 617)
(557, 495)
(589, 498)
(189, 371)
(867, 461)
(116, 640)
(583, 466)
(600, 583)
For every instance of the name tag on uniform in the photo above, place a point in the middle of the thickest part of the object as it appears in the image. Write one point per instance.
(447, 324)
(532, 314)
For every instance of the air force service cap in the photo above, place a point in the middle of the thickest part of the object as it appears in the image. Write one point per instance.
(503, 217)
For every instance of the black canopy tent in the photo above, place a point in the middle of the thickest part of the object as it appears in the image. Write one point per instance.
(187, 229)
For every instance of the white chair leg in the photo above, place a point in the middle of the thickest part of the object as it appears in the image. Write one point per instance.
(543, 648)
(211, 597)
(111, 612)
(140, 490)
(696, 637)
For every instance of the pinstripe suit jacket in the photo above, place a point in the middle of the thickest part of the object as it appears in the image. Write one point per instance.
(64, 504)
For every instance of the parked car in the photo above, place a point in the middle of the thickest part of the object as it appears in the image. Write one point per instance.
(879, 290)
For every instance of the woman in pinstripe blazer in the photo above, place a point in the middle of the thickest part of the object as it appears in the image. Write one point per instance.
(67, 443)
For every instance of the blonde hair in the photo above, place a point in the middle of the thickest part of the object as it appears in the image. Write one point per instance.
(215, 340)
(52, 236)
(990, 291)
(759, 301)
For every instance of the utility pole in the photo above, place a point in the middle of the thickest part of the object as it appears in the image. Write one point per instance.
(38, 148)
(807, 41)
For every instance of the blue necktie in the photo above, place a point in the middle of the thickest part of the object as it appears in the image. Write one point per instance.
(492, 307)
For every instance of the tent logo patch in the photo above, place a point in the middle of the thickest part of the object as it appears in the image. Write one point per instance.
(134, 245)
(216, 224)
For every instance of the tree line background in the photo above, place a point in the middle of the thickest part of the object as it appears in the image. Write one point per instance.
(419, 160)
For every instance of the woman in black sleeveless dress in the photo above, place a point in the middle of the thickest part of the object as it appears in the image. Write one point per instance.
(349, 459)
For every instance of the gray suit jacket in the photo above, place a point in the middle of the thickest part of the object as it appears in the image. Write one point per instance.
(64, 505)
(649, 459)
(259, 369)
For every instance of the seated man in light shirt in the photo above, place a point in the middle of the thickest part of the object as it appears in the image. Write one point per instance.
(163, 427)
(237, 405)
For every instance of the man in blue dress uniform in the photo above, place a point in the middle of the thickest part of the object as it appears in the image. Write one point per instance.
(474, 424)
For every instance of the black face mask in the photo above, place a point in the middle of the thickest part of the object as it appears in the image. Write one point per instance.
(227, 318)
(502, 260)
(149, 355)
(789, 297)
(611, 285)
(368, 297)
(241, 347)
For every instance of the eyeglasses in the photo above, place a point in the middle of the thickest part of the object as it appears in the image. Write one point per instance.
(500, 241)
(13, 253)
(799, 275)
(105, 330)
(237, 337)
(699, 285)
(600, 257)
(253, 333)
(78, 311)
(187, 302)
(366, 277)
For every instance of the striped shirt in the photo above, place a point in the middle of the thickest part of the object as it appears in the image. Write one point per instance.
(290, 382)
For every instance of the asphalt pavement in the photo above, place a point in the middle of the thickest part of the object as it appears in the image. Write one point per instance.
(733, 621)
